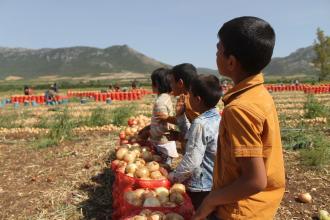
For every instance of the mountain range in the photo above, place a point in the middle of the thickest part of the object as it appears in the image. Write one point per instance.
(80, 61)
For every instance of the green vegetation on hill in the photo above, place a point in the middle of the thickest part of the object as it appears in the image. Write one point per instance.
(74, 61)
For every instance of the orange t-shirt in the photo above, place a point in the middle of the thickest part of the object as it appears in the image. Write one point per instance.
(190, 113)
(250, 128)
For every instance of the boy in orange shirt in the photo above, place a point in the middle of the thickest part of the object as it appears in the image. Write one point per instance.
(248, 177)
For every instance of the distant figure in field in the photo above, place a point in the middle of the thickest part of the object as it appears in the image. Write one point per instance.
(27, 90)
(51, 92)
(55, 87)
(117, 87)
(135, 84)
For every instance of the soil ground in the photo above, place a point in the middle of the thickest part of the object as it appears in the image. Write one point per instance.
(73, 181)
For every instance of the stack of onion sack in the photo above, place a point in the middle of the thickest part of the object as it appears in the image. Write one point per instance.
(141, 182)
(147, 214)
(135, 124)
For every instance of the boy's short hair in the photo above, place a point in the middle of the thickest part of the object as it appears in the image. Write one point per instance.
(184, 71)
(250, 40)
(159, 78)
(208, 88)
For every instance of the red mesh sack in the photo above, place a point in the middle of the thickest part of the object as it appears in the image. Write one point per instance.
(186, 209)
(123, 181)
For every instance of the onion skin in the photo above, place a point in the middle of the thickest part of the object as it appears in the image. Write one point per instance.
(178, 187)
(142, 172)
(151, 202)
(121, 153)
(129, 157)
(152, 166)
(177, 198)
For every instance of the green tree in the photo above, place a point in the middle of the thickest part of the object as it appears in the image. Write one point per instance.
(322, 50)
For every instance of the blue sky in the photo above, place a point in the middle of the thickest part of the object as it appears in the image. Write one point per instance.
(171, 31)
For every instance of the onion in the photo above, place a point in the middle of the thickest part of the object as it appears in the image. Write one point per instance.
(139, 193)
(151, 202)
(128, 131)
(162, 191)
(130, 196)
(163, 199)
(142, 172)
(173, 216)
(152, 166)
(121, 153)
(156, 175)
(147, 155)
(140, 162)
(305, 197)
(149, 194)
(136, 152)
(146, 212)
(178, 187)
(176, 197)
(134, 130)
(131, 168)
(156, 216)
(129, 157)
(135, 201)
(324, 215)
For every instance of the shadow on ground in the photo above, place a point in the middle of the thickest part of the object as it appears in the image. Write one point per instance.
(98, 206)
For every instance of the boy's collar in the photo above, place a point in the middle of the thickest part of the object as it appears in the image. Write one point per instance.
(247, 83)
(211, 111)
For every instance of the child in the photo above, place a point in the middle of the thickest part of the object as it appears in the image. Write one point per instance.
(158, 131)
(180, 77)
(248, 179)
(196, 167)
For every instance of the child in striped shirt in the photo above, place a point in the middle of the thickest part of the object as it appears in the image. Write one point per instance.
(158, 131)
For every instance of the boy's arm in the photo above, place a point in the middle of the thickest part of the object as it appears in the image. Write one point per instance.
(253, 179)
(165, 118)
(183, 124)
(195, 150)
(244, 129)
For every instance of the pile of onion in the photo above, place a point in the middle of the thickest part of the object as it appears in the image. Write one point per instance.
(139, 162)
(147, 214)
(159, 197)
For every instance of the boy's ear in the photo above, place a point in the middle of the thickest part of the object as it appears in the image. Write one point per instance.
(232, 63)
(199, 99)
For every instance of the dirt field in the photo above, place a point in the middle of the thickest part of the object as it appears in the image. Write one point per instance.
(73, 180)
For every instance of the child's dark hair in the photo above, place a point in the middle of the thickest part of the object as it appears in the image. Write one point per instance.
(159, 78)
(184, 71)
(208, 88)
(250, 40)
